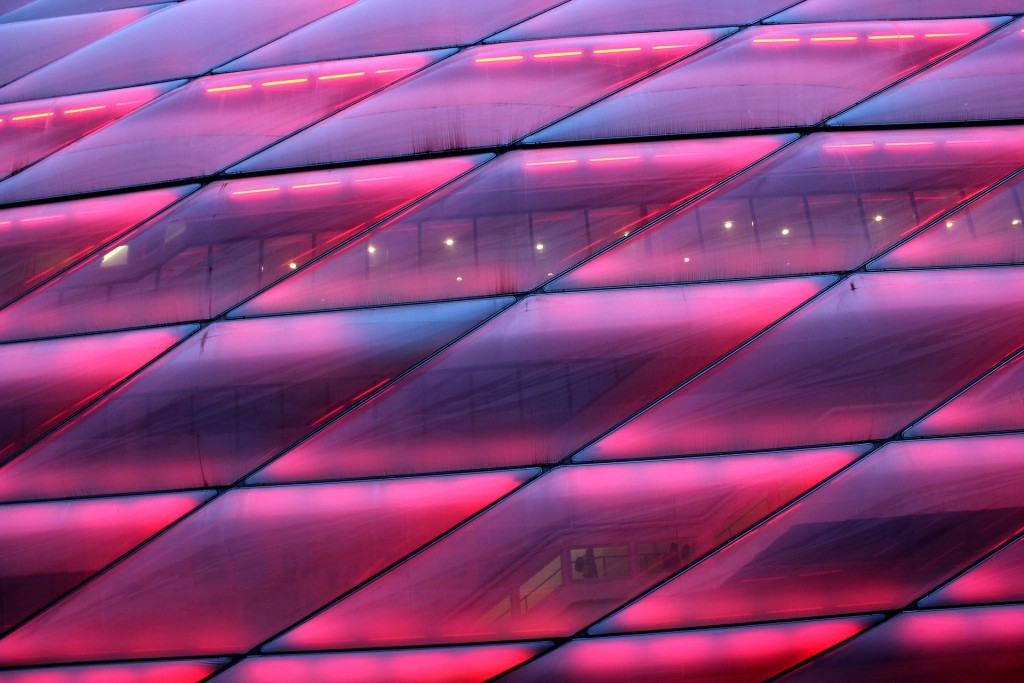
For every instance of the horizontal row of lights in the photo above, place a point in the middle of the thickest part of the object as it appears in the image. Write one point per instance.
(854, 39)
(299, 81)
(896, 144)
(311, 186)
(578, 53)
(49, 114)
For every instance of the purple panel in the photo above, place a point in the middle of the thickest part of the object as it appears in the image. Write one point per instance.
(516, 223)
(860, 363)
(877, 537)
(426, 665)
(484, 96)
(248, 565)
(998, 579)
(207, 125)
(590, 17)
(206, 33)
(566, 550)
(231, 397)
(43, 383)
(860, 10)
(748, 654)
(31, 130)
(375, 27)
(771, 76)
(38, 241)
(545, 378)
(828, 203)
(49, 548)
(948, 646)
(220, 246)
(974, 85)
(44, 9)
(184, 671)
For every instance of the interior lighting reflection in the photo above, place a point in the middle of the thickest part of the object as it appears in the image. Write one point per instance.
(785, 231)
(540, 247)
(331, 77)
(616, 49)
(1015, 221)
(728, 225)
(257, 191)
(372, 249)
(85, 109)
(879, 218)
(776, 40)
(834, 39)
(289, 81)
(509, 58)
(25, 117)
(305, 186)
(225, 88)
(450, 242)
(902, 36)
(548, 55)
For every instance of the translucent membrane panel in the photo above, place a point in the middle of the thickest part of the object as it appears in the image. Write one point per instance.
(861, 10)
(30, 131)
(948, 646)
(43, 9)
(1000, 578)
(208, 125)
(225, 243)
(484, 96)
(543, 379)
(39, 241)
(883, 533)
(734, 655)
(185, 671)
(249, 565)
(375, 27)
(828, 203)
(30, 45)
(428, 665)
(516, 223)
(231, 397)
(186, 39)
(769, 77)
(988, 231)
(994, 404)
(49, 548)
(975, 85)
(42, 383)
(590, 17)
(565, 551)
(862, 362)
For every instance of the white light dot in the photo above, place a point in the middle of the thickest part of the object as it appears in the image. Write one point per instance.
(728, 225)
(458, 279)
(626, 234)
(686, 260)
(449, 241)
(540, 247)
(371, 249)
(785, 231)
(293, 266)
(949, 224)
(879, 218)
(551, 274)
(1015, 221)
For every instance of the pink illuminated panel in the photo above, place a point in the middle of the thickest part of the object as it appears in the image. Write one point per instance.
(483, 96)
(543, 379)
(207, 125)
(828, 203)
(183, 671)
(43, 383)
(946, 646)
(427, 665)
(859, 10)
(231, 397)
(770, 77)
(386, 26)
(877, 537)
(38, 241)
(565, 551)
(30, 131)
(821, 376)
(49, 548)
(516, 223)
(1000, 578)
(735, 655)
(286, 550)
(223, 244)
(21, 10)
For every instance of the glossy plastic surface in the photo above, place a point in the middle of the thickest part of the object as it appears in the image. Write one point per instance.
(207, 125)
(49, 548)
(221, 245)
(862, 10)
(862, 362)
(877, 537)
(546, 377)
(484, 96)
(827, 203)
(288, 551)
(37, 242)
(22, 10)
(565, 550)
(514, 224)
(947, 646)
(770, 77)
(184, 671)
(231, 397)
(1000, 578)
(735, 655)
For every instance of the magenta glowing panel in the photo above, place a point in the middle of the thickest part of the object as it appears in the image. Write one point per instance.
(829, 202)
(565, 550)
(730, 655)
(180, 671)
(541, 380)
(288, 550)
(877, 537)
(515, 223)
(819, 377)
(483, 96)
(1000, 578)
(207, 125)
(770, 77)
(21, 10)
(231, 397)
(222, 245)
(862, 10)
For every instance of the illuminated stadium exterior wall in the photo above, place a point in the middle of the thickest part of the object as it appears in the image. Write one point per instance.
(445, 340)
